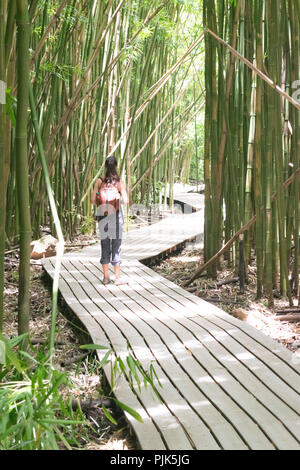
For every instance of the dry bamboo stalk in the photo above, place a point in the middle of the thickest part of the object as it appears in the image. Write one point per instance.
(290, 318)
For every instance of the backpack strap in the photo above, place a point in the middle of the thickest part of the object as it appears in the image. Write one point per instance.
(100, 183)
(115, 204)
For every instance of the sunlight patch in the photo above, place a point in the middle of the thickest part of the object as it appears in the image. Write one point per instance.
(245, 356)
(188, 259)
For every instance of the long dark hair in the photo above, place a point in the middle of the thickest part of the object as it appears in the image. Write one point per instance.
(111, 174)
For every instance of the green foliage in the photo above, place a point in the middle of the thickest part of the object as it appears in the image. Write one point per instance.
(33, 414)
(11, 102)
(130, 367)
(8, 358)
(63, 71)
(37, 31)
(87, 224)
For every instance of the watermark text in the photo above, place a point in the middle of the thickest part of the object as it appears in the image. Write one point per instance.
(2, 92)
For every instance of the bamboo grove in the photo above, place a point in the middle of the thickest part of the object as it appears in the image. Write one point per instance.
(99, 73)
(252, 139)
(85, 80)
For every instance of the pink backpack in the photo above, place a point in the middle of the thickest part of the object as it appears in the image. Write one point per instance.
(108, 197)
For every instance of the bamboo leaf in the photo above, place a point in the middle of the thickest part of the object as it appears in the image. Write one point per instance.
(108, 415)
(11, 356)
(93, 347)
(10, 102)
(132, 367)
(105, 359)
(129, 410)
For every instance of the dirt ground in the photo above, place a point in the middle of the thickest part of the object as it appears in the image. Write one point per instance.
(181, 267)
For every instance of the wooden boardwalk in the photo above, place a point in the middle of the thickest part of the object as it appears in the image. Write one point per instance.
(225, 384)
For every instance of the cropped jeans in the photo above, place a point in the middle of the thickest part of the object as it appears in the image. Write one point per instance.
(111, 228)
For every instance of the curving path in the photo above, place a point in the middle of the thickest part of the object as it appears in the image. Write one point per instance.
(225, 385)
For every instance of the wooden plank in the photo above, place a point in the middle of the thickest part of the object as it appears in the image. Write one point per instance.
(289, 376)
(256, 366)
(161, 236)
(259, 391)
(275, 347)
(268, 358)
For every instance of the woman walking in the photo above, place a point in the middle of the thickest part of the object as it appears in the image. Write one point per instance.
(106, 196)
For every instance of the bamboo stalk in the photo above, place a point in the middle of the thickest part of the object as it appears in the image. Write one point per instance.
(56, 18)
(236, 235)
(259, 232)
(2, 167)
(270, 82)
(23, 36)
(61, 243)
(9, 31)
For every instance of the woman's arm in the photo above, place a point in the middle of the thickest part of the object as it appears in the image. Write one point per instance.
(95, 190)
(123, 193)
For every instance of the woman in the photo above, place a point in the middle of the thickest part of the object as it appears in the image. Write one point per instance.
(106, 195)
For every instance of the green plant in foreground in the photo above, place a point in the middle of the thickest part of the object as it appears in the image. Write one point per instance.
(131, 368)
(34, 415)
